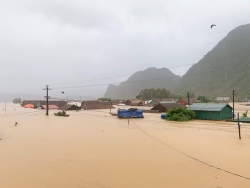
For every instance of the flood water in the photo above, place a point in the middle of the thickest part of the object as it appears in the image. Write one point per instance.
(93, 149)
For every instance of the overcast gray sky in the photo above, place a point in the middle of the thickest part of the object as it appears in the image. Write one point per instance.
(59, 41)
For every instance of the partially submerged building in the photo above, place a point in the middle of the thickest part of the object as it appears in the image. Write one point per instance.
(212, 111)
(185, 101)
(95, 104)
(71, 107)
(134, 102)
(223, 99)
(51, 107)
(39, 103)
(164, 107)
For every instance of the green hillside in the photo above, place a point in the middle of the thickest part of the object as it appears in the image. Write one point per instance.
(149, 78)
(224, 68)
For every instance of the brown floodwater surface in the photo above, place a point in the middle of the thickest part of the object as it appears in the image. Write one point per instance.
(93, 149)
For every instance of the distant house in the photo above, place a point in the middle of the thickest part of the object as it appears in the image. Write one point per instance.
(185, 101)
(164, 107)
(167, 102)
(134, 102)
(154, 102)
(212, 111)
(51, 107)
(38, 103)
(93, 105)
(117, 102)
(71, 107)
(148, 102)
(223, 99)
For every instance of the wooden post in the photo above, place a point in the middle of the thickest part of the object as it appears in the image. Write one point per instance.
(233, 104)
(128, 120)
(239, 125)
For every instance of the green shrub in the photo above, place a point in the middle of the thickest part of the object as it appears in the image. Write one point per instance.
(244, 115)
(180, 114)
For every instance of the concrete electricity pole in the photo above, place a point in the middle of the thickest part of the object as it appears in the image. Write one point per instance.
(47, 99)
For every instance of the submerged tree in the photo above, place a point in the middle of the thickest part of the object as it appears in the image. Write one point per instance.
(180, 114)
(17, 101)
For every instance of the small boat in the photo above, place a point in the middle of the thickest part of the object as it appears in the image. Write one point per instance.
(113, 114)
(60, 114)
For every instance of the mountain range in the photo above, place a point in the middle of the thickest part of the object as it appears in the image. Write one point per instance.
(221, 70)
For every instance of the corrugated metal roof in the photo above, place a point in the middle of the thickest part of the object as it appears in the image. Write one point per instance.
(208, 106)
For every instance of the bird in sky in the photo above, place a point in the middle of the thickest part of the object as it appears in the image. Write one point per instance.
(62, 92)
(212, 25)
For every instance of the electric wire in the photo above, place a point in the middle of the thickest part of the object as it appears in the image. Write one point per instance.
(189, 156)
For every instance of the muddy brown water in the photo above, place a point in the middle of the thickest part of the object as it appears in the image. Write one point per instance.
(93, 149)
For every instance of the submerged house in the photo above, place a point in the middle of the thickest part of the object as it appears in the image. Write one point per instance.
(39, 103)
(135, 102)
(185, 101)
(164, 107)
(212, 111)
(50, 106)
(71, 107)
(94, 105)
(223, 99)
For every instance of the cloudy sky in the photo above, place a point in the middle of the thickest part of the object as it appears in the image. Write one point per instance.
(71, 41)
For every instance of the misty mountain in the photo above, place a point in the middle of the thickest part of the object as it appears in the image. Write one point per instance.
(149, 78)
(23, 96)
(224, 68)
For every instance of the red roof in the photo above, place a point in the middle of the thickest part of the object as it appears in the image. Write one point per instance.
(51, 107)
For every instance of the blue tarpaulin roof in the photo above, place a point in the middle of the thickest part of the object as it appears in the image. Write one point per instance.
(129, 113)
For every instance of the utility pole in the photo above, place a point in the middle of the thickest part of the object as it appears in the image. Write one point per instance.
(239, 124)
(47, 99)
(233, 103)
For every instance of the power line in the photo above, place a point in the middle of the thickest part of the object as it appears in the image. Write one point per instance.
(116, 76)
(189, 156)
(169, 77)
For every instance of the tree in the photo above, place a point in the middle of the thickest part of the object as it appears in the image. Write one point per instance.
(17, 101)
(180, 114)
(160, 93)
(202, 99)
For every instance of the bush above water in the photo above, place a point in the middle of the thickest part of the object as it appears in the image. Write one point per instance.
(180, 114)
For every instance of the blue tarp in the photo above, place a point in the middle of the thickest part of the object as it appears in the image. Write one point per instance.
(130, 113)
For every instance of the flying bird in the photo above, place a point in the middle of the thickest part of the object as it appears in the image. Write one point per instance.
(62, 92)
(212, 25)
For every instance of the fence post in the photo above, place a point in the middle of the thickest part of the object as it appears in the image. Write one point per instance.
(239, 124)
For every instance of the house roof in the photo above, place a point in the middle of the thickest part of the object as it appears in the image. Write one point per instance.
(167, 102)
(51, 106)
(136, 101)
(169, 105)
(191, 100)
(172, 105)
(91, 105)
(68, 106)
(208, 106)
(222, 99)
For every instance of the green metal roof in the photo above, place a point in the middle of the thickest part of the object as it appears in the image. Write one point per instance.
(208, 106)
